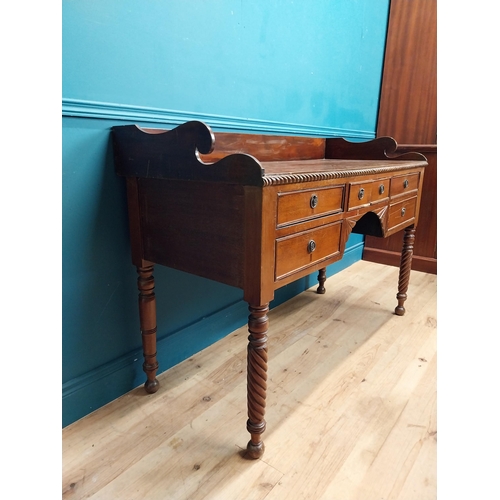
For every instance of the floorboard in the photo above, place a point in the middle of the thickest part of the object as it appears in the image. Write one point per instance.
(351, 408)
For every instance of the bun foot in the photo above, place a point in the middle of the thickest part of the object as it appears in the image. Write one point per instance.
(399, 311)
(254, 451)
(151, 386)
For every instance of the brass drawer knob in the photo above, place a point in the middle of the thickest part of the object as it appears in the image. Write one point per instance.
(381, 189)
(405, 183)
(361, 194)
(314, 201)
(403, 211)
(311, 246)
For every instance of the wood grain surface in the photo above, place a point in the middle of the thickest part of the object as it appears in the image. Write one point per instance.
(351, 408)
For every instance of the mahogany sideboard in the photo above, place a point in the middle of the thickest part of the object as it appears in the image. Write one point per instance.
(257, 212)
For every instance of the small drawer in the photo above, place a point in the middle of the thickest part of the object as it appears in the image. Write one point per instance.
(401, 212)
(380, 189)
(404, 183)
(360, 194)
(298, 206)
(303, 249)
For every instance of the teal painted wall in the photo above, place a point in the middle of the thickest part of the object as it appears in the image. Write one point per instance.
(296, 67)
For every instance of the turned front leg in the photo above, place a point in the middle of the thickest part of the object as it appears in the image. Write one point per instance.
(258, 324)
(147, 314)
(321, 279)
(405, 268)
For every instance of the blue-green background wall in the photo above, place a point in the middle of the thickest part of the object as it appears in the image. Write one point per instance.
(276, 66)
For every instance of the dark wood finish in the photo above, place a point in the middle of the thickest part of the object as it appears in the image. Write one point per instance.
(257, 224)
(258, 323)
(321, 280)
(404, 269)
(409, 85)
(266, 147)
(407, 111)
(147, 316)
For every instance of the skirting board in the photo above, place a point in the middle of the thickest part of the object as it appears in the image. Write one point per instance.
(389, 258)
(93, 390)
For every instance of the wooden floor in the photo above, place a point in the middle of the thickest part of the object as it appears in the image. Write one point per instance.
(351, 408)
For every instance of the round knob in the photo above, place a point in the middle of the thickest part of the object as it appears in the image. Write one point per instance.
(381, 189)
(311, 246)
(361, 194)
(405, 183)
(314, 201)
(403, 211)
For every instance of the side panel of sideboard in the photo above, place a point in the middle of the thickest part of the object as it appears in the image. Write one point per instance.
(196, 227)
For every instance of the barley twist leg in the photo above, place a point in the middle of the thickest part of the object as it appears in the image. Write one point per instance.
(257, 378)
(404, 269)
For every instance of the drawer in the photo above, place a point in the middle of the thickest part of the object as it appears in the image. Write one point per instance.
(300, 250)
(360, 194)
(404, 183)
(297, 206)
(380, 189)
(401, 212)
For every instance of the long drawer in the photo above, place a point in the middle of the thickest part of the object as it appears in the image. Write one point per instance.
(297, 206)
(306, 248)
